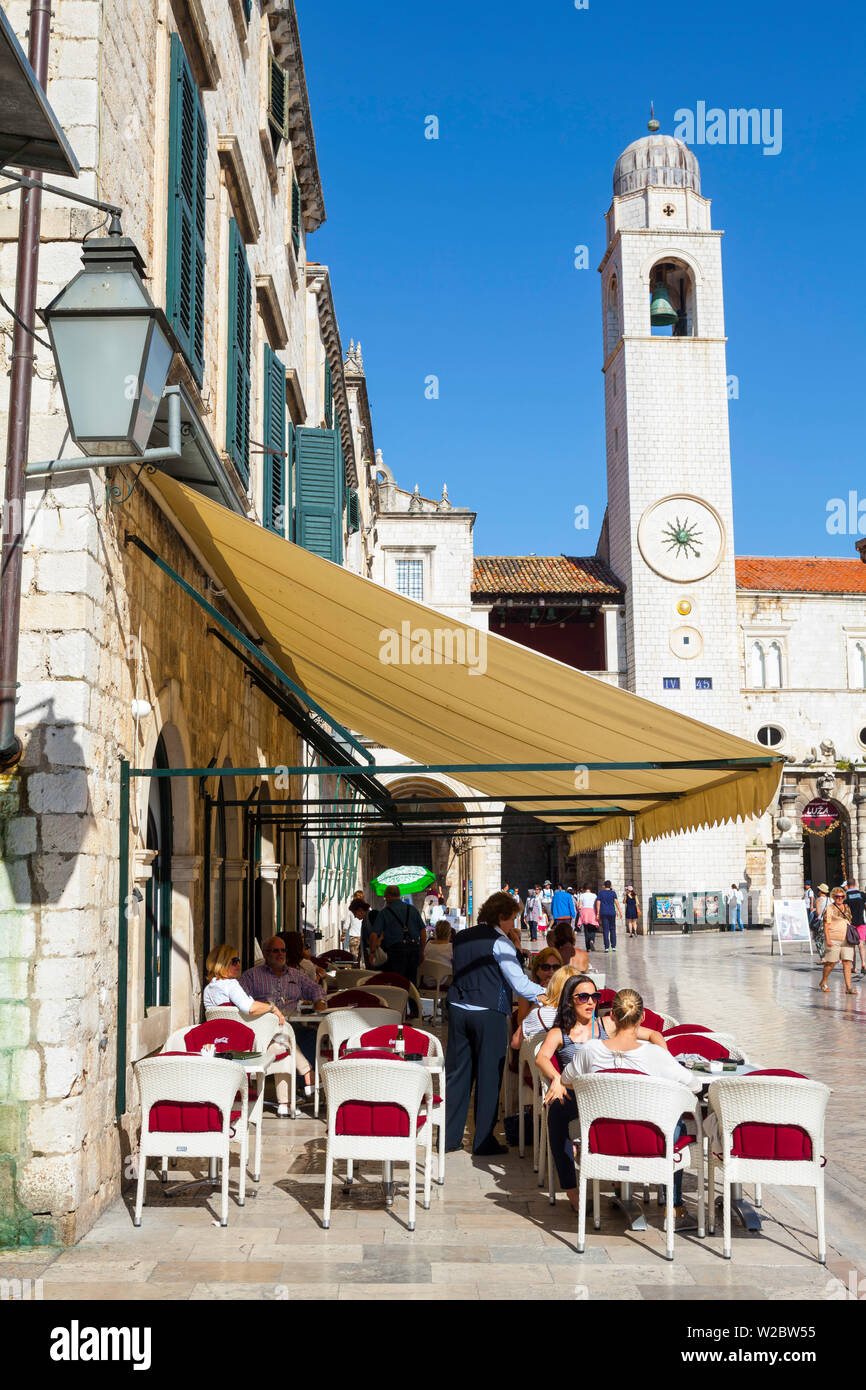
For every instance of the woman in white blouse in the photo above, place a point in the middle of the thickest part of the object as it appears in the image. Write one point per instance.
(624, 1050)
(438, 949)
(223, 989)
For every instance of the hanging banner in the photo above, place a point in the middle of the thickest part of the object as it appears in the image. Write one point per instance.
(820, 817)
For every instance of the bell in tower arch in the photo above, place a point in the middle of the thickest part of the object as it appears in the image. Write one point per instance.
(662, 311)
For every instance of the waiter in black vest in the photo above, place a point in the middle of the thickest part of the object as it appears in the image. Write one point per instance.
(486, 974)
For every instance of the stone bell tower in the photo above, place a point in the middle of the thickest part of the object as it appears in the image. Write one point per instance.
(669, 470)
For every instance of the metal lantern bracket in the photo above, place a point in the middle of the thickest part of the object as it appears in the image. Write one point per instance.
(169, 453)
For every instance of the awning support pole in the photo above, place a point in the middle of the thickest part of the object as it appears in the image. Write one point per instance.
(123, 906)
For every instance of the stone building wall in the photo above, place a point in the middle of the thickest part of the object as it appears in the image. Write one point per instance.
(85, 611)
(102, 626)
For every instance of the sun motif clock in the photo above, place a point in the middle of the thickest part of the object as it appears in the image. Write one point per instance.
(681, 538)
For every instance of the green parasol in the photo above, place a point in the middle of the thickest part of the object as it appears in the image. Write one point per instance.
(409, 878)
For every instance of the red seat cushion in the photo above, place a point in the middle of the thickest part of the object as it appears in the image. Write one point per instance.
(698, 1043)
(686, 1028)
(281, 1056)
(778, 1071)
(226, 1034)
(631, 1139)
(379, 1119)
(415, 1041)
(185, 1117)
(783, 1142)
(358, 998)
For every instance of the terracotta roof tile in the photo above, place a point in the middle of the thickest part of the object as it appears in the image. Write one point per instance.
(543, 574)
(792, 574)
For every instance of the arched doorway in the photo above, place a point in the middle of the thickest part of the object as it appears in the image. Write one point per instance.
(157, 900)
(826, 843)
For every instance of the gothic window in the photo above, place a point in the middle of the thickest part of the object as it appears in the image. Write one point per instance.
(756, 666)
(773, 666)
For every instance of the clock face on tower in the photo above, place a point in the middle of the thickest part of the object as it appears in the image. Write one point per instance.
(681, 538)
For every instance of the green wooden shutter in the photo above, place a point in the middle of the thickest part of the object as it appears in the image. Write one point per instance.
(329, 395)
(240, 312)
(278, 101)
(319, 493)
(274, 498)
(290, 480)
(296, 215)
(187, 186)
(353, 511)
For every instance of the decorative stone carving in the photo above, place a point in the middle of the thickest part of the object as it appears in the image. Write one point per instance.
(415, 503)
(826, 783)
(444, 503)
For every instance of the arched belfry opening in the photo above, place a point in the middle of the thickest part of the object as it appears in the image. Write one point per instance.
(611, 324)
(672, 300)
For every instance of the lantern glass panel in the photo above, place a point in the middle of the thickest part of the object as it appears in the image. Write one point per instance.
(156, 368)
(100, 360)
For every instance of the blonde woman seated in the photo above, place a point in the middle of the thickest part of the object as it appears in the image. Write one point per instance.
(541, 1018)
(223, 989)
(629, 1047)
(438, 949)
(575, 1027)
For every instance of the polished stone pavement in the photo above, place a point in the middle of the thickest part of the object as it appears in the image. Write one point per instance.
(490, 1232)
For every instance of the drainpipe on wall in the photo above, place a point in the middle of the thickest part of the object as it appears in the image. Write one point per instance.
(23, 358)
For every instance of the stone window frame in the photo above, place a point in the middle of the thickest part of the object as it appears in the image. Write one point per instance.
(855, 640)
(765, 637)
(772, 725)
(393, 553)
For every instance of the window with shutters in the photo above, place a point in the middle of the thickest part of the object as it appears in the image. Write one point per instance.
(274, 510)
(187, 183)
(240, 314)
(353, 511)
(296, 215)
(329, 396)
(278, 101)
(319, 492)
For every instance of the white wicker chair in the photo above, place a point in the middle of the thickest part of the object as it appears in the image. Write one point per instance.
(351, 975)
(286, 1060)
(180, 1081)
(263, 1028)
(439, 971)
(528, 1052)
(768, 1100)
(401, 1085)
(338, 1028)
(635, 1098)
(436, 1062)
(392, 996)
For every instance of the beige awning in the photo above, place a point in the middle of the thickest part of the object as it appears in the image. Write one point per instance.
(440, 692)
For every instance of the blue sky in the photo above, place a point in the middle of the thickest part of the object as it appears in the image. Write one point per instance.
(454, 257)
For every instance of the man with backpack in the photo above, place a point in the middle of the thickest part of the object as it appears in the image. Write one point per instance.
(399, 931)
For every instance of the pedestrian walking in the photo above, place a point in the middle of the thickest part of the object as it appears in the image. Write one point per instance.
(816, 921)
(400, 928)
(735, 909)
(589, 915)
(609, 909)
(840, 934)
(533, 912)
(632, 911)
(486, 974)
(561, 911)
(856, 900)
(809, 898)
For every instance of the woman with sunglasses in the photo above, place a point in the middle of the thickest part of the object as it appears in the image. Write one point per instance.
(576, 1023)
(542, 1017)
(223, 990)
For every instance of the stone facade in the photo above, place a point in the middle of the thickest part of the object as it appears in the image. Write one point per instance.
(102, 627)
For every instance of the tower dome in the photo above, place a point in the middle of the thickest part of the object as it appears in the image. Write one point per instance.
(656, 161)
